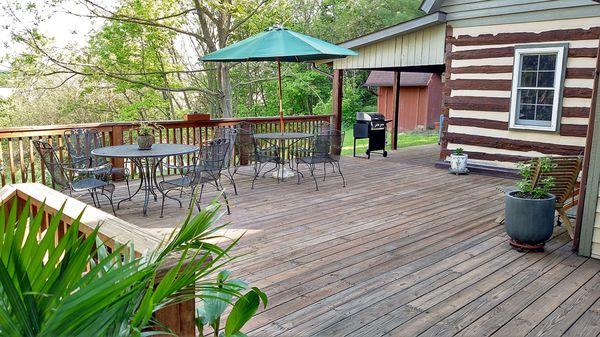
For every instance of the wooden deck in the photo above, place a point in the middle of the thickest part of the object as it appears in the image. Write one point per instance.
(406, 249)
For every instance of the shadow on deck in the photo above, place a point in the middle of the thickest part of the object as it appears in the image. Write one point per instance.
(405, 249)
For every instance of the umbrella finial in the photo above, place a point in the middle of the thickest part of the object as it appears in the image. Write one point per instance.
(277, 26)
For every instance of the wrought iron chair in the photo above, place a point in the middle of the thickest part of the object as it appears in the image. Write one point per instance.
(325, 149)
(80, 144)
(230, 134)
(208, 167)
(249, 150)
(69, 176)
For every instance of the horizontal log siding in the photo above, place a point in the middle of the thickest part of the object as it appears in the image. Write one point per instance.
(477, 94)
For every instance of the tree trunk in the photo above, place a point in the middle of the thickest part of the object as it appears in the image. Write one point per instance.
(226, 106)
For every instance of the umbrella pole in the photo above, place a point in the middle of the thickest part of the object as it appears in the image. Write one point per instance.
(280, 96)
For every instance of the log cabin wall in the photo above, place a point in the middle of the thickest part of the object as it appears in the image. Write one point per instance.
(478, 89)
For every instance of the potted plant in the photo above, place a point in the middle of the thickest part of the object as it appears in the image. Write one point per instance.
(145, 137)
(529, 211)
(458, 161)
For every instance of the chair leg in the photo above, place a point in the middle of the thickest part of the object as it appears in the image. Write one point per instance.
(311, 167)
(162, 204)
(127, 183)
(324, 170)
(257, 168)
(298, 171)
(565, 219)
(341, 174)
(222, 190)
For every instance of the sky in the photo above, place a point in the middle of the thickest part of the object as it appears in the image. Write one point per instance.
(65, 29)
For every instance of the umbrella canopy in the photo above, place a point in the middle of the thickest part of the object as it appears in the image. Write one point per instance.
(279, 44)
(282, 45)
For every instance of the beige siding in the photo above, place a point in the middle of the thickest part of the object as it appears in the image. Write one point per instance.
(421, 47)
(471, 121)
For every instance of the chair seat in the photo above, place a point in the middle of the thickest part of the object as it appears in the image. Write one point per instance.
(318, 159)
(175, 183)
(88, 184)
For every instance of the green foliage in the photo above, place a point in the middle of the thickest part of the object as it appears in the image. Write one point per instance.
(535, 190)
(459, 151)
(144, 129)
(76, 287)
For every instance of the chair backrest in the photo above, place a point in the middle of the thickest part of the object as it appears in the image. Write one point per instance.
(53, 165)
(211, 158)
(80, 143)
(322, 128)
(328, 143)
(230, 134)
(565, 172)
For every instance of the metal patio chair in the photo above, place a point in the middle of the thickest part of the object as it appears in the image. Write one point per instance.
(80, 144)
(326, 148)
(70, 177)
(208, 167)
(249, 150)
(230, 134)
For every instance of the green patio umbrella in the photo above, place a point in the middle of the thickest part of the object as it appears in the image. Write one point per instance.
(282, 45)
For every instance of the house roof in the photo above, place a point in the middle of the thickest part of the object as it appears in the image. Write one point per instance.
(429, 6)
(386, 79)
(399, 29)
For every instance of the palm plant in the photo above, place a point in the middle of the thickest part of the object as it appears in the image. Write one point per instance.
(77, 286)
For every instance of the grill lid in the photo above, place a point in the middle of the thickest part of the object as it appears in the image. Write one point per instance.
(369, 116)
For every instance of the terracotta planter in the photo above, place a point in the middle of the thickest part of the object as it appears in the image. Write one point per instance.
(196, 117)
(145, 142)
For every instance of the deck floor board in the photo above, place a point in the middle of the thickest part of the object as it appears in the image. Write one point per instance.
(405, 249)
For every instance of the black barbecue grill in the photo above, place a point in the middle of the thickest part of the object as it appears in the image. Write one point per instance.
(371, 125)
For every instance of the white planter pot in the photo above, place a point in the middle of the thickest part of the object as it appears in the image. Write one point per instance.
(458, 163)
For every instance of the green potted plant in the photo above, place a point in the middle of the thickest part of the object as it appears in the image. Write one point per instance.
(458, 161)
(529, 210)
(145, 137)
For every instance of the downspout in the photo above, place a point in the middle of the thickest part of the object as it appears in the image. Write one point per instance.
(586, 155)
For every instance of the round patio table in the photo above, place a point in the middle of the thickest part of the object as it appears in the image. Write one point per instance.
(283, 141)
(147, 162)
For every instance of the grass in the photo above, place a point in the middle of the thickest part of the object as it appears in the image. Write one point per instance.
(405, 139)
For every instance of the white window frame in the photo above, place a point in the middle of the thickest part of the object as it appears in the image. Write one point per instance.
(560, 51)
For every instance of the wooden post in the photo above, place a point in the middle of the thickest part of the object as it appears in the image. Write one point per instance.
(396, 108)
(587, 158)
(336, 98)
(180, 318)
(116, 138)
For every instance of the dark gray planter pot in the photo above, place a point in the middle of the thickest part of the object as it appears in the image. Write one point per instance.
(145, 142)
(529, 221)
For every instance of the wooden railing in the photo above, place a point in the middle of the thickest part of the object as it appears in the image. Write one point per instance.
(19, 162)
(179, 318)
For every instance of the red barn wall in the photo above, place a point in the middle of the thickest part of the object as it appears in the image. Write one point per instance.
(419, 106)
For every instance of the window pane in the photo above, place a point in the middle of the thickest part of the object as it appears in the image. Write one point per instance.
(528, 96)
(528, 79)
(530, 62)
(527, 112)
(548, 62)
(544, 113)
(545, 79)
(545, 97)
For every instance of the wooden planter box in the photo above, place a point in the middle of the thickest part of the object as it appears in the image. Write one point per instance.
(196, 117)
